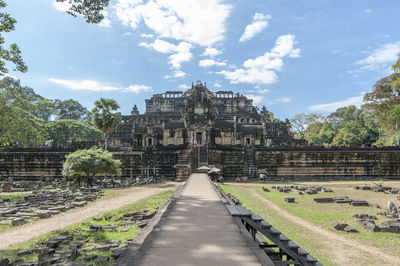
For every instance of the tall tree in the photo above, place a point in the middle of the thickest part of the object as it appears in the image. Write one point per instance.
(24, 97)
(71, 109)
(91, 164)
(305, 125)
(13, 53)
(62, 131)
(383, 98)
(104, 118)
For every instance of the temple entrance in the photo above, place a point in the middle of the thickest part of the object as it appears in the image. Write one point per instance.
(198, 157)
(199, 138)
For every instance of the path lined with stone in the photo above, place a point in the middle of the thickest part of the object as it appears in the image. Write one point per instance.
(124, 197)
(197, 230)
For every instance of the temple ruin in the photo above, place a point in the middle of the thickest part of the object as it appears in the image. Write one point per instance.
(181, 131)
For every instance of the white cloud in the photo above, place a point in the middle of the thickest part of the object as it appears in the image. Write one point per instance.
(127, 33)
(179, 74)
(182, 54)
(368, 10)
(137, 88)
(210, 62)
(259, 23)
(262, 91)
(160, 46)
(144, 35)
(211, 52)
(105, 23)
(197, 21)
(92, 85)
(283, 100)
(217, 85)
(331, 107)
(256, 98)
(262, 70)
(381, 58)
(183, 87)
(62, 6)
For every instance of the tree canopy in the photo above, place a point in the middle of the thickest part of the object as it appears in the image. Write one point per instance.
(91, 164)
(91, 10)
(62, 131)
(104, 118)
(12, 54)
(30, 119)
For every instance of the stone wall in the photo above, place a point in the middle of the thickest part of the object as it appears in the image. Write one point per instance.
(309, 163)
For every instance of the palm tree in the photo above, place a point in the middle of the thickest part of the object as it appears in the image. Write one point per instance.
(104, 119)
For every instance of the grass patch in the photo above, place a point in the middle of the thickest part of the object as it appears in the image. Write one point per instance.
(325, 214)
(14, 196)
(120, 235)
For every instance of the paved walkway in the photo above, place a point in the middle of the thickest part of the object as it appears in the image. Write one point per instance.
(198, 230)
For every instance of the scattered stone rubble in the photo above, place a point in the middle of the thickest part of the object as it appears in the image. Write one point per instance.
(44, 204)
(52, 183)
(392, 211)
(342, 199)
(344, 227)
(380, 188)
(79, 244)
(393, 226)
(302, 189)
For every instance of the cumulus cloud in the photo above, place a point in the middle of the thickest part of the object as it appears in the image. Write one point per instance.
(197, 21)
(183, 87)
(62, 6)
(211, 52)
(381, 58)
(331, 107)
(258, 90)
(144, 35)
(160, 46)
(259, 23)
(217, 85)
(210, 62)
(262, 70)
(92, 85)
(256, 98)
(179, 74)
(180, 53)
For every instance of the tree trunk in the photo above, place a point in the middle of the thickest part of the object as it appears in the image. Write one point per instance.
(105, 142)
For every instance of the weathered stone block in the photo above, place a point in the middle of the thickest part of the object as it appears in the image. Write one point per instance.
(323, 200)
(18, 221)
(339, 226)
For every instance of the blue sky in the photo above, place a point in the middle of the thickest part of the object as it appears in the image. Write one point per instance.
(293, 56)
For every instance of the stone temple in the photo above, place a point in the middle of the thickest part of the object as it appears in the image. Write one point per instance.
(181, 131)
(200, 117)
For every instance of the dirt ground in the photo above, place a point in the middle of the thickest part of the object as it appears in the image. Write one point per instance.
(123, 197)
